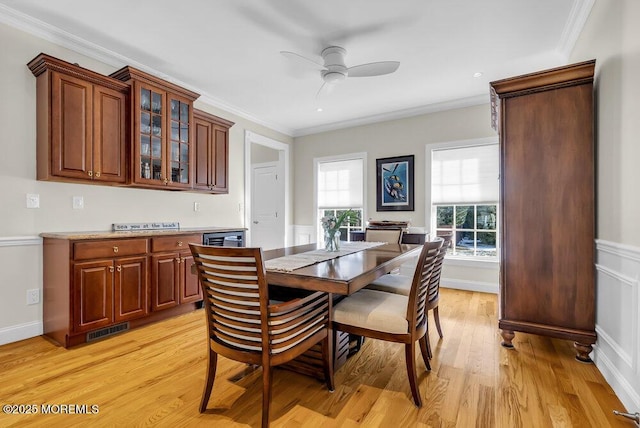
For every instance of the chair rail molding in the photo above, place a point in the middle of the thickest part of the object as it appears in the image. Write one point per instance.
(13, 241)
(617, 352)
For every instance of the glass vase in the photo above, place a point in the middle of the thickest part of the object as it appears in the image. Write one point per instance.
(332, 240)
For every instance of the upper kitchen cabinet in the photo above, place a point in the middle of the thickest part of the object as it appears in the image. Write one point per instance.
(212, 153)
(81, 123)
(162, 131)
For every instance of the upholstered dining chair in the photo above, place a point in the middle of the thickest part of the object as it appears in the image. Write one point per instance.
(392, 236)
(393, 317)
(401, 284)
(245, 326)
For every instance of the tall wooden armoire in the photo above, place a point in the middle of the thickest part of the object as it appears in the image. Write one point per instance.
(547, 201)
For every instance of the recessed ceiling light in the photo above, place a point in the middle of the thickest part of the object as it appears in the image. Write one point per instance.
(319, 109)
(477, 74)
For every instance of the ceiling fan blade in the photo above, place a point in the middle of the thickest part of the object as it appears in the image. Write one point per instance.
(373, 69)
(325, 89)
(303, 60)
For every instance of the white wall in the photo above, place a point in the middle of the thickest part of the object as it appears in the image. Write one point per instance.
(612, 36)
(400, 137)
(20, 259)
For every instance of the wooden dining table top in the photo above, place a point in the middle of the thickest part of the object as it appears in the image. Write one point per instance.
(345, 274)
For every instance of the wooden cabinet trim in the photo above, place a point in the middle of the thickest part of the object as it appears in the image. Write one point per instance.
(128, 74)
(44, 62)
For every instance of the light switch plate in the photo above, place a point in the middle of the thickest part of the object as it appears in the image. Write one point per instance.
(33, 200)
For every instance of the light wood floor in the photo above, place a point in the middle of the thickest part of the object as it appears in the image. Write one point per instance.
(154, 376)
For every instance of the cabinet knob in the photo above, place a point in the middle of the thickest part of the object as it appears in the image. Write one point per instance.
(178, 259)
(115, 249)
(98, 174)
(179, 243)
(166, 181)
(119, 268)
(90, 173)
(110, 268)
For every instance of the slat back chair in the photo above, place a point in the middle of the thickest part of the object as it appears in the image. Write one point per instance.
(434, 285)
(393, 317)
(244, 326)
(392, 236)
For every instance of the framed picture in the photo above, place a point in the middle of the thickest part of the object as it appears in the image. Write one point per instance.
(394, 184)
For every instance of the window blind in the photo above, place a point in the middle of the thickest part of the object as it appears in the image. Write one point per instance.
(465, 175)
(340, 184)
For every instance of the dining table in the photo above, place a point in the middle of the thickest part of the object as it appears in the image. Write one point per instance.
(344, 274)
(341, 275)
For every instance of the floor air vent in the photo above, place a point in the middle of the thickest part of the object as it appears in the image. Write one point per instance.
(107, 331)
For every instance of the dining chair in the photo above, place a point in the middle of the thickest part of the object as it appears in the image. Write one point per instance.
(401, 284)
(243, 325)
(393, 317)
(391, 236)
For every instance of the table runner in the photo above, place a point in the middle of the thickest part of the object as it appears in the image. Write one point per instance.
(297, 261)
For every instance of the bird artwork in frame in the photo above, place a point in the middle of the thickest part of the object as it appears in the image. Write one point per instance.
(395, 184)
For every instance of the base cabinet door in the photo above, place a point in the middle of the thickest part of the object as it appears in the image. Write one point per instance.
(93, 295)
(131, 295)
(165, 278)
(190, 290)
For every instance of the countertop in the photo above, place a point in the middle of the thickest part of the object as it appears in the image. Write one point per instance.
(137, 233)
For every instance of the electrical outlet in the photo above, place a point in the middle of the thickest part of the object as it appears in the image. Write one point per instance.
(33, 200)
(78, 203)
(196, 206)
(33, 296)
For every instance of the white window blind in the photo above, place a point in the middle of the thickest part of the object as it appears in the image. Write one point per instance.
(340, 184)
(465, 175)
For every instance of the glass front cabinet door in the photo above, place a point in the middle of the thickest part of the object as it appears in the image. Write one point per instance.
(162, 149)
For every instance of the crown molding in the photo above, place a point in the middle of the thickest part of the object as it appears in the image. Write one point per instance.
(393, 115)
(53, 34)
(67, 40)
(577, 19)
(215, 102)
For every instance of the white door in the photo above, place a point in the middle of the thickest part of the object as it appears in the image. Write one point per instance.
(267, 207)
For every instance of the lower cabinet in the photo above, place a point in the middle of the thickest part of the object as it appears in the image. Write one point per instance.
(109, 291)
(172, 282)
(95, 287)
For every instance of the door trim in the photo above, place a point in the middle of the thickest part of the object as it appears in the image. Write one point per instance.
(284, 156)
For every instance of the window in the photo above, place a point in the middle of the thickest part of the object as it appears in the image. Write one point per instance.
(339, 187)
(473, 227)
(464, 197)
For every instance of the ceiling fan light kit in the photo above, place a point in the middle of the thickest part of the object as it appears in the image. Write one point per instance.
(335, 70)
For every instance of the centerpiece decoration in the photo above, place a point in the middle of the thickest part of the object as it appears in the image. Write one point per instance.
(331, 225)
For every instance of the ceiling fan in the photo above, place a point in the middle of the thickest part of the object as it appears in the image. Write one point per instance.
(334, 69)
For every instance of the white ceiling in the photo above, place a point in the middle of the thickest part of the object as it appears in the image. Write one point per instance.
(228, 50)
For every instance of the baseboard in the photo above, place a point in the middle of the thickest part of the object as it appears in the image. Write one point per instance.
(18, 332)
(623, 389)
(460, 284)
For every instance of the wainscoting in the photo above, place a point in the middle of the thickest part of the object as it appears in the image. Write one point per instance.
(617, 352)
(21, 267)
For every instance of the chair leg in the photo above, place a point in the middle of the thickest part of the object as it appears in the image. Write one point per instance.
(267, 376)
(208, 385)
(327, 359)
(410, 357)
(426, 336)
(436, 316)
(425, 351)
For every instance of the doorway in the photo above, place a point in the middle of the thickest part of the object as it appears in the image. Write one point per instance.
(266, 191)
